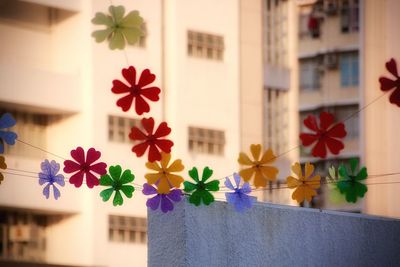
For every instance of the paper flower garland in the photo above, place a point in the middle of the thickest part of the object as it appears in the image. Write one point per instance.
(136, 91)
(117, 183)
(350, 184)
(119, 29)
(240, 199)
(259, 167)
(84, 167)
(164, 177)
(166, 200)
(49, 175)
(3, 166)
(151, 139)
(304, 185)
(200, 190)
(8, 137)
(325, 136)
(388, 84)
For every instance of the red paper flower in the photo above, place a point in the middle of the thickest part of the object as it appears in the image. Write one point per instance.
(151, 140)
(136, 91)
(325, 135)
(388, 84)
(82, 166)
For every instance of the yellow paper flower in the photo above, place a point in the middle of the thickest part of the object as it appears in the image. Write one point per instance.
(305, 184)
(259, 167)
(163, 176)
(3, 166)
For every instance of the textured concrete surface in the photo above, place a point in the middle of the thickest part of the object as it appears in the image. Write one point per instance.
(270, 235)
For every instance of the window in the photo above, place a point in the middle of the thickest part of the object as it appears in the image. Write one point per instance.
(349, 16)
(31, 128)
(205, 45)
(310, 74)
(349, 69)
(127, 229)
(276, 119)
(120, 127)
(22, 236)
(206, 141)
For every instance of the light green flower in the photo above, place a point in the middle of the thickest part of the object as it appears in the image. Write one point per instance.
(118, 28)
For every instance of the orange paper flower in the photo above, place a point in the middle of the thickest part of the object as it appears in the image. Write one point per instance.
(163, 177)
(259, 167)
(305, 184)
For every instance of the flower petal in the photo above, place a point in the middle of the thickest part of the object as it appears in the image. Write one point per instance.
(311, 123)
(101, 35)
(189, 187)
(247, 174)
(244, 159)
(175, 180)
(268, 157)
(117, 40)
(163, 187)
(127, 177)
(56, 192)
(296, 168)
(137, 134)
(102, 19)
(91, 180)
(130, 75)
(338, 131)
(269, 172)
(152, 178)
(154, 202)
(99, 168)
(154, 153)
(164, 145)
(326, 119)
(148, 125)
(154, 166)
(387, 84)
(140, 149)
(237, 179)
(128, 190)
(194, 173)
(106, 194)
(212, 186)
(149, 190)
(132, 19)
(146, 78)
(176, 166)
(132, 35)
(319, 150)
(8, 137)
(105, 180)
(162, 130)
(392, 68)
(7, 121)
(77, 179)
(334, 145)
(78, 155)
(229, 184)
(308, 139)
(125, 102)
(175, 195)
(259, 180)
(141, 105)
(395, 96)
(309, 169)
(165, 158)
(117, 12)
(151, 93)
(255, 151)
(46, 191)
(166, 204)
(207, 173)
(115, 172)
(118, 200)
(207, 197)
(119, 87)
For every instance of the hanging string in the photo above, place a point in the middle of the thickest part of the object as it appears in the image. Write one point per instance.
(41, 149)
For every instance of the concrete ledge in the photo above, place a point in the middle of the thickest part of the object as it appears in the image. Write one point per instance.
(270, 235)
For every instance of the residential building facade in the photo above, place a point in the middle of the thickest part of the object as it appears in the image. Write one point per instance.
(56, 81)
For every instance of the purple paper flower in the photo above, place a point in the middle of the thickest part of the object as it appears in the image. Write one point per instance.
(49, 175)
(165, 199)
(240, 199)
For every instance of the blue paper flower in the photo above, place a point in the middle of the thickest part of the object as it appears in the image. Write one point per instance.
(6, 121)
(240, 199)
(49, 175)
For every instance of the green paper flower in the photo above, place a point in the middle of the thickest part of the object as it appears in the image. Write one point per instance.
(117, 183)
(350, 184)
(201, 188)
(118, 28)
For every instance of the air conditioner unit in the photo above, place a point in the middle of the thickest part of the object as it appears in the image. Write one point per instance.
(331, 61)
(331, 7)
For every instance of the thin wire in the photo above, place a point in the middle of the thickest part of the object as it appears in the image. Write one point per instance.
(364, 107)
(41, 149)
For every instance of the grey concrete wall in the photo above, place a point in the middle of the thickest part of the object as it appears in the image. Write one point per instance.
(270, 235)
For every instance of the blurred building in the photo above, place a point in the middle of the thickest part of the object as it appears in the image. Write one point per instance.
(57, 82)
